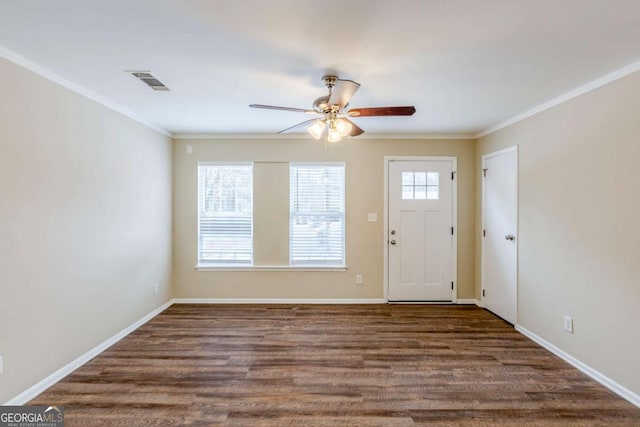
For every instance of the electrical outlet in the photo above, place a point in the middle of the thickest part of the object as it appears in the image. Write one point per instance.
(1, 365)
(358, 279)
(372, 217)
(568, 324)
(156, 288)
(189, 149)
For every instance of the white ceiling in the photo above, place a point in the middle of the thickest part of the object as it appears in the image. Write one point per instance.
(466, 65)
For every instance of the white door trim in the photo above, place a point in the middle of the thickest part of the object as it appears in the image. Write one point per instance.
(482, 225)
(454, 213)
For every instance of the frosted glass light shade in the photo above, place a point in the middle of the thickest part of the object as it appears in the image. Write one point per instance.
(343, 127)
(333, 135)
(316, 129)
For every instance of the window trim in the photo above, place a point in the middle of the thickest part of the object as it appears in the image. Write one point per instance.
(321, 265)
(222, 265)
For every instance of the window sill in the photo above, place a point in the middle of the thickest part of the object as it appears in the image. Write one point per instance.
(271, 267)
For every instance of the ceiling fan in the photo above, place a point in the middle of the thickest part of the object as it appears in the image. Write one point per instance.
(334, 112)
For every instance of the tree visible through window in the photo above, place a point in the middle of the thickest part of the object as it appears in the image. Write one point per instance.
(316, 213)
(225, 213)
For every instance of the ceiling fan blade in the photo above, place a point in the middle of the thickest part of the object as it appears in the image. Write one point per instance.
(355, 129)
(382, 111)
(302, 125)
(273, 107)
(342, 92)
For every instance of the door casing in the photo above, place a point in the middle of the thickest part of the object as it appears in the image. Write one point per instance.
(454, 211)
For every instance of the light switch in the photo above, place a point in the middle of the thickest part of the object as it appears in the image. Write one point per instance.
(189, 149)
(373, 217)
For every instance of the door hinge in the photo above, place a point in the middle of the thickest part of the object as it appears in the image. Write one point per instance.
(452, 231)
(451, 285)
(453, 175)
(484, 172)
(483, 292)
(484, 233)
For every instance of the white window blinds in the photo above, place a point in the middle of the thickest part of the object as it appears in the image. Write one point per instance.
(317, 214)
(225, 213)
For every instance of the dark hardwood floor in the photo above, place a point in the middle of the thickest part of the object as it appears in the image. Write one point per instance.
(332, 365)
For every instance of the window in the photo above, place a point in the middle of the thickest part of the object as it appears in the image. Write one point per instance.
(420, 185)
(316, 219)
(225, 213)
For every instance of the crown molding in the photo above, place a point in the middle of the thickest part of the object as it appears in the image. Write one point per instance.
(305, 136)
(581, 90)
(49, 75)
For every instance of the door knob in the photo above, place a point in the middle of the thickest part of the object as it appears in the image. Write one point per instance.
(510, 237)
(393, 242)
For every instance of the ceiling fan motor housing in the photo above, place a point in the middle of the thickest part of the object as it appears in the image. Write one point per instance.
(329, 81)
(321, 105)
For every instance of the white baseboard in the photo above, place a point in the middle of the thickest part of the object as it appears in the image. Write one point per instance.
(620, 390)
(41, 386)
(278, 301)
(468, 301)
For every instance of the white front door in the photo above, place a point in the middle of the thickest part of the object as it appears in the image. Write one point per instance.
(499, 241)
(420, 230)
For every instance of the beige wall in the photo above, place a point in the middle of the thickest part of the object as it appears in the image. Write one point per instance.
(579, 229)
(364, 194)
(85, 225)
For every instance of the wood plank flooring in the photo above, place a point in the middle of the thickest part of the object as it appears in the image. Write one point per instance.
(332, 365)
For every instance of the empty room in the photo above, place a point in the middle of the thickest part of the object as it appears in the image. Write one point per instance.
(302, 213)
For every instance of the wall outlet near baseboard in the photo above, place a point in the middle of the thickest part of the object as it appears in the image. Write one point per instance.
(358, 279)
(156, 288)
(568, 324)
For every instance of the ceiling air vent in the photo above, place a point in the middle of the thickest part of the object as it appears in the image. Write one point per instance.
(147, 78)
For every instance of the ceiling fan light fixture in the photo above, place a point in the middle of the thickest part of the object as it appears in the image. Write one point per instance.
(343, 127)
(332, 112)
(316, 129)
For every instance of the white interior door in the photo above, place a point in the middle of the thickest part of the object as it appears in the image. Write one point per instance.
(499, 241)
(420, 230)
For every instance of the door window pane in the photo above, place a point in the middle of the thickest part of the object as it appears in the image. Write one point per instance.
(407, 178)
(433, 192)
(420, 192)
(433, 185)
(407, 192)
(420, 185)
(433, 178)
